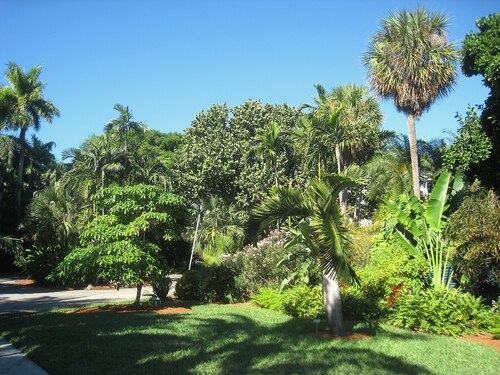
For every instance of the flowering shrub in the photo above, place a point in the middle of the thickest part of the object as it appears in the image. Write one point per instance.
(257, 265)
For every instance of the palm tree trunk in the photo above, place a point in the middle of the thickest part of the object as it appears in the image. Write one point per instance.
(1, 192)
(333, 305)
(412, 138)
(340, 168)
(20, 172)
(138, 294)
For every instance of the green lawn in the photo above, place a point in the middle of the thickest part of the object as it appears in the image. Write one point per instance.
(229, 340)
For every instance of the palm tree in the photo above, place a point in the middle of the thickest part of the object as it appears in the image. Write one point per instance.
(269, 144)
(7, 156)
(24, 106)
(222, 229)
(91, 165)
(124, 124)
(410, 60)
(322, 230)
(347, 119)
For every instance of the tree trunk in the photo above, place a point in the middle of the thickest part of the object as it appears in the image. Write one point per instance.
(333, 305)
(1, 192)
(138, 294)
(412, 138)
(20, 172)
(340, 168)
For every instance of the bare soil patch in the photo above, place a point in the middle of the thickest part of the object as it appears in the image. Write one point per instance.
(25, 282)
(130, 309)
(484, 339)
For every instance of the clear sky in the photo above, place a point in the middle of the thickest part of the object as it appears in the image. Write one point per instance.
(168, 60)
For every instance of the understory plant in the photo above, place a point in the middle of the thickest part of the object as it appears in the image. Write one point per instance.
(420, 226)
(301, 300)
(443, 311)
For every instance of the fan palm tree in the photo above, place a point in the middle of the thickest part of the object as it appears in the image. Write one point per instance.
(24, 107)
(322, 230)
(52, 218)
(410, 60)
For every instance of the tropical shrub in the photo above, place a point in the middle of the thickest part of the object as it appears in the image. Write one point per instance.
(37, 262)
(161, 287)
(475, 228)
(300, 300)
(363, 303)
(420, 227)
(268, 298)
(262, 265)
(442, 311)
(215, 283)
(303, 301)
(122, 243)
(189, 286)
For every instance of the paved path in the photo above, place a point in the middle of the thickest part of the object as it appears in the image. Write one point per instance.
(17, 298)
(13, 362)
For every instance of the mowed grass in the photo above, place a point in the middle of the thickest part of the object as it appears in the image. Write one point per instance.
(221, 339)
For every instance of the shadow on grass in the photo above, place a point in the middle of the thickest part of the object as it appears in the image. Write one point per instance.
(211, 340)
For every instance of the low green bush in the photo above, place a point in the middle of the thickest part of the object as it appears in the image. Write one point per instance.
(268, 298)
(215, 283)
(302, 301)
(218, 284)
(364, 303)
(161, 287)
(442, 311)
(189, 286)
(38, 262)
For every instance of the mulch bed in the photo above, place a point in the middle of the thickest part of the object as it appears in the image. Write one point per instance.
(25, 282)
(129, 308)
(485, 339)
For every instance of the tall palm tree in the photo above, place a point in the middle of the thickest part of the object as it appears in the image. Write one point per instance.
(322, 230)
(124, 124)
(24, 107)
(348, 119)
(410, 60)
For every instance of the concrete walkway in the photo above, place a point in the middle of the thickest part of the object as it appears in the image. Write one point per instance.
(18, 298)
(13, 362)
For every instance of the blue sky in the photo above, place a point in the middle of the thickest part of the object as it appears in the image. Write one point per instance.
(168, 60)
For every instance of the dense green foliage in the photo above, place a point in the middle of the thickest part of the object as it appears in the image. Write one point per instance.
(474, 226)
(117, 209)
(219, 152)
(443, 311)
(481, 51)
(470, 146)
(123, 243)
(215, 283)
(300, 300)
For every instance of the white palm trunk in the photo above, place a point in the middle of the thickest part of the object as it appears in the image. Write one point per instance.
(333, 305)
